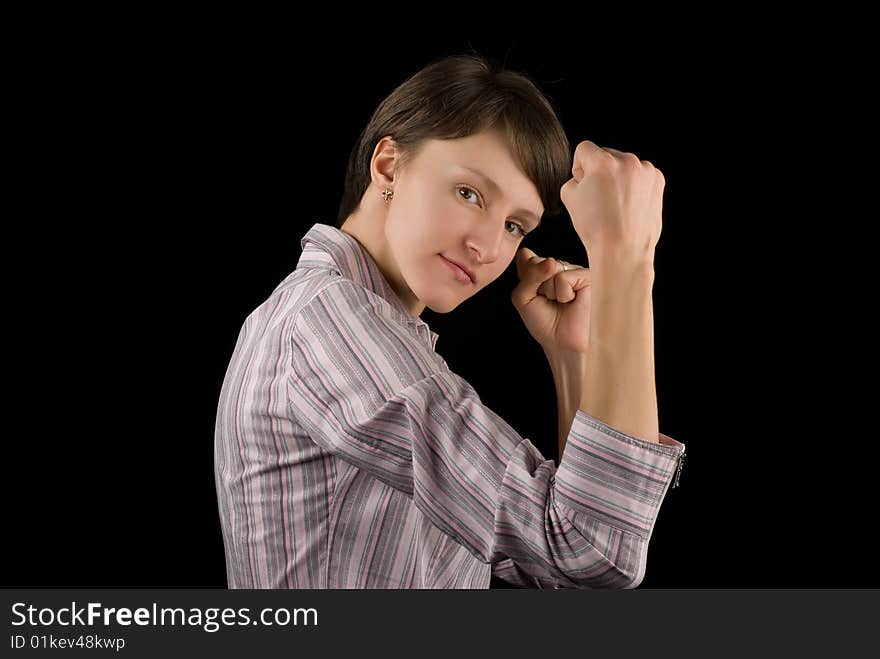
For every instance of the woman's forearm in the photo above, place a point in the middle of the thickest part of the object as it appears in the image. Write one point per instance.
(614, 380)
(619, 386)
(569, 374)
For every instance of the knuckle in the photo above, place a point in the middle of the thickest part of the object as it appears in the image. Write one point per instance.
(606, 156)
(604, 161)
(583, 150)
(585, 146)
(631, 159)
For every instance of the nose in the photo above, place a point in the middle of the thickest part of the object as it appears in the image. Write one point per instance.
(486, 242)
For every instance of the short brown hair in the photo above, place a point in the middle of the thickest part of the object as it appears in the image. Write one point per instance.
(457, 96)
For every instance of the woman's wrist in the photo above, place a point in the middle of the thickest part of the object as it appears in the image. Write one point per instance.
(569, 374)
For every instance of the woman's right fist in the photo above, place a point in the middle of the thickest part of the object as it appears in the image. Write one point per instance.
(615, 201)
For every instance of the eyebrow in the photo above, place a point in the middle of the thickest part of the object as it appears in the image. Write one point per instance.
(497, 188)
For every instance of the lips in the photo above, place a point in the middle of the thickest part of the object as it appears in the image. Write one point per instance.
(470, 273)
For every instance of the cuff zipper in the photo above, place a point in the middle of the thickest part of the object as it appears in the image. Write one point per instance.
(678, 469)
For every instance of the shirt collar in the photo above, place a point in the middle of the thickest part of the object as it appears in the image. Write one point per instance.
(326, 246)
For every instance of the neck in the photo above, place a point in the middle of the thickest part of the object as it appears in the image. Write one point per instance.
(367, 226)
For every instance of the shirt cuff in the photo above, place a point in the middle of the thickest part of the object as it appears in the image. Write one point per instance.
(614, 477)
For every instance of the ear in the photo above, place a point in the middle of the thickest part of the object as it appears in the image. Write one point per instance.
(384, 162)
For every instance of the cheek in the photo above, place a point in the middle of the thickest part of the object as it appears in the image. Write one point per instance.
(428, 218)
(428, 198)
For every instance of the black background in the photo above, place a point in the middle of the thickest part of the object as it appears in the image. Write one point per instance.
(174, 175)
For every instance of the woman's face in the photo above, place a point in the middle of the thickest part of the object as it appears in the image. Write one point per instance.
(443, 208)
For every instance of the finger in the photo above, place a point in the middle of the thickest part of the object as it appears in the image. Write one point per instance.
(548, 289)
(522, 260)
(625, 156)
(563, 286)
(527, 262)
(534, 273)
(583, 152)
(557, 288)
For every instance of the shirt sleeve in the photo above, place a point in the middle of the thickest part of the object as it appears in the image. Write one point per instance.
(368, 389)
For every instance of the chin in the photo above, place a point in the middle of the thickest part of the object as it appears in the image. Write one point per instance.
(442, 304)
(441, 308)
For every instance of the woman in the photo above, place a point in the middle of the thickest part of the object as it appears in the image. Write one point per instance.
(348, 455)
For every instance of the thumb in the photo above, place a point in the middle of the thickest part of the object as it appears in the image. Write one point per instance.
(526, 260)
(522, 260)
(533, 270)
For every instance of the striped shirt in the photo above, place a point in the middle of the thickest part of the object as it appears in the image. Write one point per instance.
(349, 455)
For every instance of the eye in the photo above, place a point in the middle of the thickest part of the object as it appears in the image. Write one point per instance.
(522, 232)
(470, 190)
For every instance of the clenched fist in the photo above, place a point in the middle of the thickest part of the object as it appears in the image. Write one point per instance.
(615, 201)
(554, 304)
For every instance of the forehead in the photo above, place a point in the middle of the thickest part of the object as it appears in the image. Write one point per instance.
(486, 154)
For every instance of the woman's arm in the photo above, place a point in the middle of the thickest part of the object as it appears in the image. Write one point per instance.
(569, 371)
(619, 385)
(375, 395)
